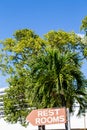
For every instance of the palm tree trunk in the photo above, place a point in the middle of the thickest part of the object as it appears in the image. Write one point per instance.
(67, 124)
(41, 127)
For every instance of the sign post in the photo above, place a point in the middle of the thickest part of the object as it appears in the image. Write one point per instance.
(47, 116)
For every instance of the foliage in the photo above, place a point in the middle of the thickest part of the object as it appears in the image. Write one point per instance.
(84, 24)
(15, 102)
(84, 39)
(43, 72)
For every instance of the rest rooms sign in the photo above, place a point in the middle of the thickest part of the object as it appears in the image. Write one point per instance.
(47, 116)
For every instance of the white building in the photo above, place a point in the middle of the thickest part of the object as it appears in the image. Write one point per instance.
(76, 123)
(1, 102)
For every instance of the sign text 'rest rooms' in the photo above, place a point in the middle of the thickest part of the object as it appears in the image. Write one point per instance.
(47, 116)
(50, 116)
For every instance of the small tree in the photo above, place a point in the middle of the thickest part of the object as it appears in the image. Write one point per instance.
(16, 106)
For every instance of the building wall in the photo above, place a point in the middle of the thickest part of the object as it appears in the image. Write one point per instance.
(2, 92)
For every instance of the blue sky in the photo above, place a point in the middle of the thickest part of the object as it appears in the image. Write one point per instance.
(41, 16)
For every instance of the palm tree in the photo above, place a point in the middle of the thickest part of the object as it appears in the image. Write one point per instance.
(57, 80)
